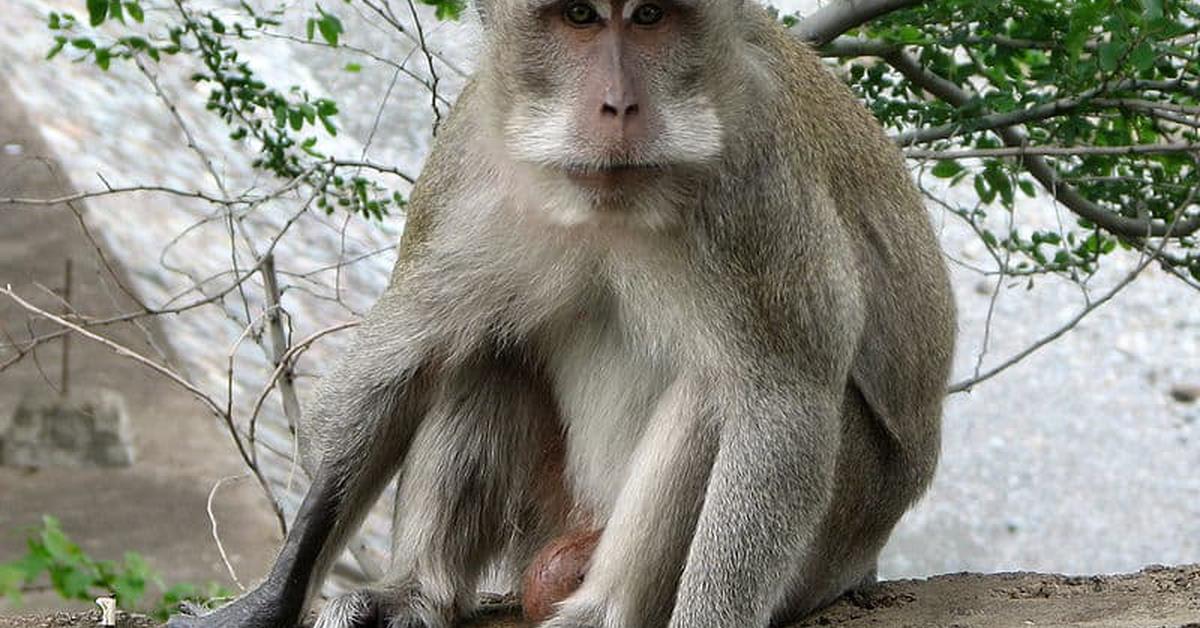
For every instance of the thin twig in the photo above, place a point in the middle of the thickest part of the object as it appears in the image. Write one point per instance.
(212, 518)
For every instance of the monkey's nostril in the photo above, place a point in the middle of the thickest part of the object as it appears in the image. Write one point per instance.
(613, 110)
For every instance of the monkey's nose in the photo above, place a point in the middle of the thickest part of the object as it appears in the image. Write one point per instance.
(619, 103)
(619, 110)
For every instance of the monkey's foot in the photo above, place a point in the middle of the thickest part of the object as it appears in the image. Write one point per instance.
(576, 615)
(253, 610)
(376, 608)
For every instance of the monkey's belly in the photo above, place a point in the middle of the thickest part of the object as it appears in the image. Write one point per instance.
(607, 387)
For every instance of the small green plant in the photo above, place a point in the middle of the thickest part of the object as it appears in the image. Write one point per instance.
(77, 576)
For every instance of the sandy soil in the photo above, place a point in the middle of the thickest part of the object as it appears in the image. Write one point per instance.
(1156, 597)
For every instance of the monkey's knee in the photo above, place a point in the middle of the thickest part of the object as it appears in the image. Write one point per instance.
(383, 608)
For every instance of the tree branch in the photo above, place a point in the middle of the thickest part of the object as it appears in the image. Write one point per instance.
(836, 18)
(1056, 151)
(1041, 170)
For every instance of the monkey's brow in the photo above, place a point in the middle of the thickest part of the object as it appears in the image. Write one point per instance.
(542, 5)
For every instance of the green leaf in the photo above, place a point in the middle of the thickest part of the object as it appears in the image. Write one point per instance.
(97, 11)
(1109, 54)
(1153, 9)
(59, 42)
(114, 9)
(353, 68)
(83, 43)
(446, 9)
(103, 58)
(329, 26)
(1143, 56)
(135, 11)
(12, 577)
(946, 169)
(309, 26)
(328, 124)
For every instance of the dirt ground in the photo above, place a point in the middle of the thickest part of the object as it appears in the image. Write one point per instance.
(1157, 597)
(156, 507)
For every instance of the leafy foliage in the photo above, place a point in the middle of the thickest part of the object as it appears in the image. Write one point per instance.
(1074, 73)
(284, 126)
(77, 576)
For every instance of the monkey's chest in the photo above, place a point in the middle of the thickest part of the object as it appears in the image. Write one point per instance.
(607, 384)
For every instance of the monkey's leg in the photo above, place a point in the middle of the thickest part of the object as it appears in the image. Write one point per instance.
(637, 563)
(768, 496)
(363, 415)
(468, 486)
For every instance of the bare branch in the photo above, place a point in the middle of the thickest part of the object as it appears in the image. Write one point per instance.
(1057, 151)
(171, 375)
(212, 519)
(836, 18)
(113, 191)
(1149, 255)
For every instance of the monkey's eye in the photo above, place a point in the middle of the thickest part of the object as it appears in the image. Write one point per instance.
(580, 14)
(648, 14)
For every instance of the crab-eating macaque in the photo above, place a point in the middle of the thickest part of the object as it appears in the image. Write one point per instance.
(662, 277)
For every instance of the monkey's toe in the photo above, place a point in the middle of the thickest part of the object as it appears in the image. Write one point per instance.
(576, 615)
(372, 608)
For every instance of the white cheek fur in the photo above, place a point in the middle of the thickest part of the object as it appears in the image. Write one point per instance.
(545, 134)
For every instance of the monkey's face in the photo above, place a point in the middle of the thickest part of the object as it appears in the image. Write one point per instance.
(608, 96)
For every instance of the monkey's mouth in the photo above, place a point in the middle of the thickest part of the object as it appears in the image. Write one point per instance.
(613, 176)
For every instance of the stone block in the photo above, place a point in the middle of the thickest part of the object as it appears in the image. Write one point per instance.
(89, 429)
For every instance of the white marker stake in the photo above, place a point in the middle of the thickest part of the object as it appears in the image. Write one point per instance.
(108, 610)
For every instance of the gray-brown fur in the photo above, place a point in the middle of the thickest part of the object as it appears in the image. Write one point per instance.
(735, 369)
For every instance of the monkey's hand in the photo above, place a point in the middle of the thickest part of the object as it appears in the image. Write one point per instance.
(382, 608)
(257, 609)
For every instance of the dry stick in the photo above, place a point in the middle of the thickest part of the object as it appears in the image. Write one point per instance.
(119, 349)
(1061, 151)
(968, 384)
(433, 82)
(212, 518)
(234, 227)
(146, 310)
(284, 377)
(65, 374)
(112, 191)
(285, 362)
(1149, 256)
(160, 369)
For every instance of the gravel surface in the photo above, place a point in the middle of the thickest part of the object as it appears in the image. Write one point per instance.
(1155, 598)
(1079, 460)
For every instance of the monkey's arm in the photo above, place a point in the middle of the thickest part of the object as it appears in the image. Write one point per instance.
(361, 420)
